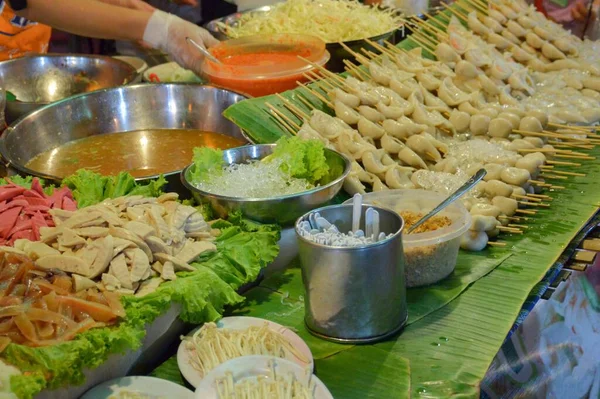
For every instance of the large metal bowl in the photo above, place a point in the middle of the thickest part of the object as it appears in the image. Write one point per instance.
(137, 107)
(283, 210)
(338, 53)
(42, 79)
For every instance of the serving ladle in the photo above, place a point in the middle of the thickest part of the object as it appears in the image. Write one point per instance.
(204, 51)
(456, 195)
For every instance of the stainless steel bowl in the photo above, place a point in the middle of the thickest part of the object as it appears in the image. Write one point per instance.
(137, 107)
(338, 53)
(42, 79)
(283, 210)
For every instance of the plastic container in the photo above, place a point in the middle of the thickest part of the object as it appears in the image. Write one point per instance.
(431, 256)
(261, 65)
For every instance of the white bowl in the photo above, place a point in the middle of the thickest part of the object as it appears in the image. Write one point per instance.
(138, 63)
(155, 387)
(257, 366)
(194, 377)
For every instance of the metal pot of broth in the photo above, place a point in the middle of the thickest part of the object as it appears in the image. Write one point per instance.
(146, 130)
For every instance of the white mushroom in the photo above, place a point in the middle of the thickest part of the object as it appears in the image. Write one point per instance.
(514, 119)
(541, 116)
(494, 188)
(483, 223)
(485, 210)
(508, 206)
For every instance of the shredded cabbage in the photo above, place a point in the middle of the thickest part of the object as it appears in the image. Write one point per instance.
(331, 20)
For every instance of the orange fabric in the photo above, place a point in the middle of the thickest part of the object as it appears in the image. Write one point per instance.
(19, 36)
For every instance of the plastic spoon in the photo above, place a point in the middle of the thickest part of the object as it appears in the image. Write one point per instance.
(456, 195)
(375, 235)
(369, 217)
(204, 51)
(356, 205)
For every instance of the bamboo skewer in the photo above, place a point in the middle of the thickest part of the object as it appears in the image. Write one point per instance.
(560, 172)
(525, 212)
(284, 117)
(551, 162)
(496, 243)
(292, 107)
(510, 229)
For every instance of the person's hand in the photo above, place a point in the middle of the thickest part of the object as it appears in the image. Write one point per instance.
(168, 33)
(579, 12)
(132, 4)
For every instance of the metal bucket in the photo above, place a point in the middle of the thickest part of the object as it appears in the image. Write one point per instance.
(354, 295)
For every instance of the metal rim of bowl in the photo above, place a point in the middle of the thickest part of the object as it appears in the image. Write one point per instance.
(189, 186)
(368, 246)
(8, 162)
(131, 78)
(266, 8)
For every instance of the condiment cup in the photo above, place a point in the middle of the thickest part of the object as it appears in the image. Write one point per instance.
(430, 256)
(354, 294)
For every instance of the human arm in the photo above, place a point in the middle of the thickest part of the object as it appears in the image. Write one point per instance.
(97, 19)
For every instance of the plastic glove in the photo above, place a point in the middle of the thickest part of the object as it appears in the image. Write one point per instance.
(132, 4)
(168, 33)
(579, 12)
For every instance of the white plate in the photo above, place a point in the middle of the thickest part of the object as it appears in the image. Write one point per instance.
(138, 63)
(154, 387)
(241, 323)
(165, 72)
(255, 366)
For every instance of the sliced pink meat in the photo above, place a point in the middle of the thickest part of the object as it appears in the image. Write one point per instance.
(12, 204)
(27, 234)
(36, 186)
(68, 204)
(7, 193)
(37, 208)
(35, 201)
(8, 219)
(34, 194)
(20, 225)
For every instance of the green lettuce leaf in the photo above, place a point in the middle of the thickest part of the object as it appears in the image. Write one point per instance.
(304, 159)
(243, 249)
(207, 161)
(90, 188)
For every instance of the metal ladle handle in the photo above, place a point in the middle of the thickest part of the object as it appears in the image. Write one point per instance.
(456, 195)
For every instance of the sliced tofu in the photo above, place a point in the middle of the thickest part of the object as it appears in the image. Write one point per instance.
(120, 245)
(135, 214)
(148, 286)
(92, 232)
(140, 264)
(111, 283)
(142, 230)
(168, 197)
(168, 271)
(66, 263)
(157, 267)
(119, 232)
(81, 283)
(181, 215)
(36, 250)
(83, 219)
(105, 248)
(118, 268)
(192, 249)
(159, 224)
(12, 250)
(158, 245)
(69, 238)
(179, 265)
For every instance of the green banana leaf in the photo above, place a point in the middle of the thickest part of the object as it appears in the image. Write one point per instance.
(365, 373)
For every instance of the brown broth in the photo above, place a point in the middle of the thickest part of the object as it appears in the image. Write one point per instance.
(141, 153)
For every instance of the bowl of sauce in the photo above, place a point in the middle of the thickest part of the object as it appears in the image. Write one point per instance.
(146, 130)
(267, 64)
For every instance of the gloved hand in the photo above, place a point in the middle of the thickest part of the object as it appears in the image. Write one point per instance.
(132, 4)
(168, 33)
(579, 12)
